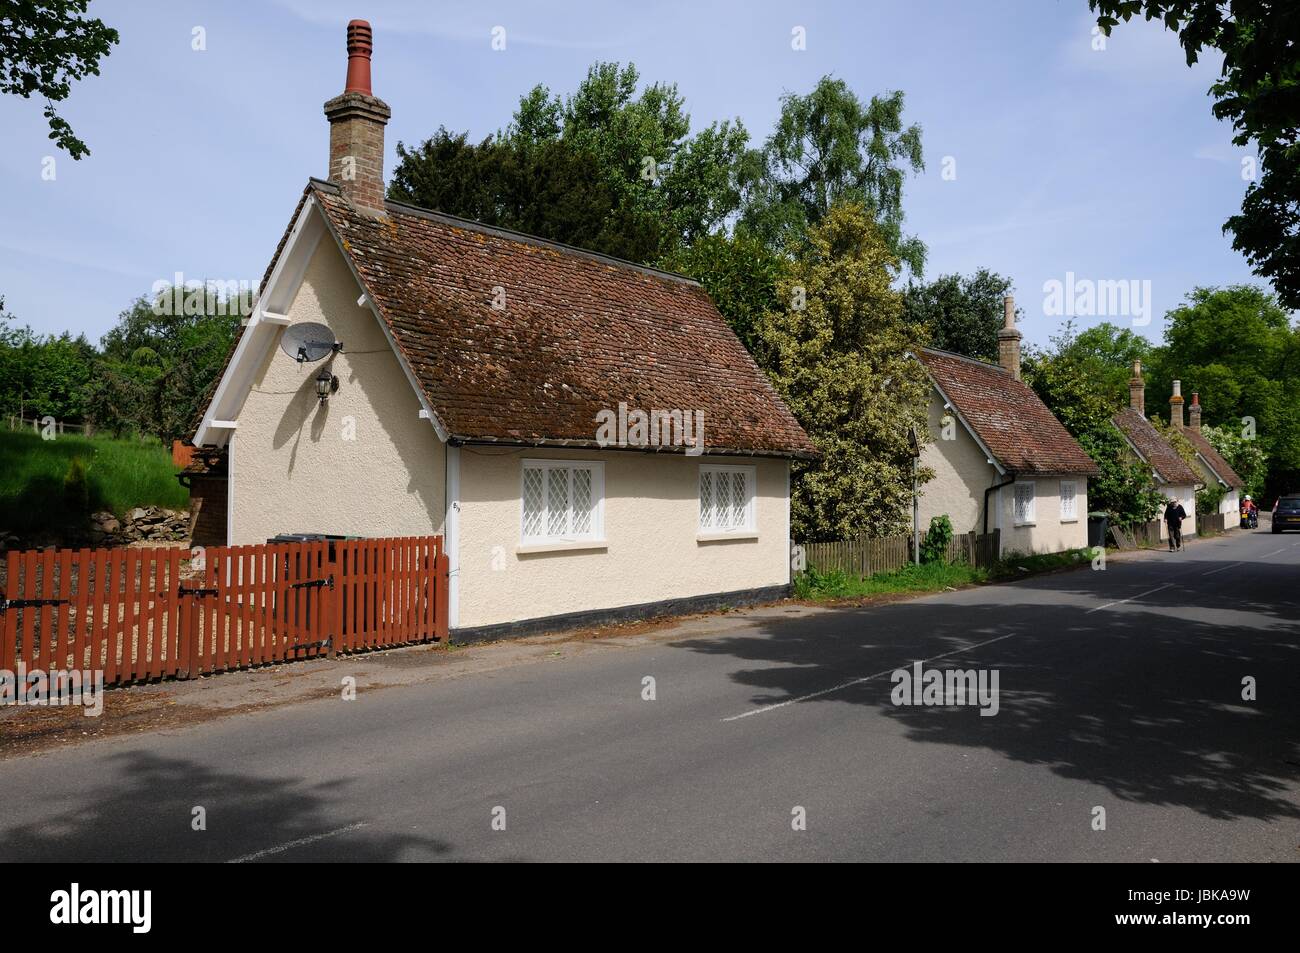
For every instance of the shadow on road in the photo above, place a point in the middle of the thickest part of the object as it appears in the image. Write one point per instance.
(145, 810)
(1145, 699)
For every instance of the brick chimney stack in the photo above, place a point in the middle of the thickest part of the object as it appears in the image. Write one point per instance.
(357, 121)
(1176, 406)
(1137, 390)
(1009, 339)
(1194, 413)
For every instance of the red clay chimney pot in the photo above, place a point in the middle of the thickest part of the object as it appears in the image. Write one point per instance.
(360, 46)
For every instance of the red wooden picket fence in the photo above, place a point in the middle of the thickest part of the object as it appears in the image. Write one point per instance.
(141, 614)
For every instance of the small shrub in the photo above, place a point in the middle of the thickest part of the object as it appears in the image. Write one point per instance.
(934, 548)
(76, 489)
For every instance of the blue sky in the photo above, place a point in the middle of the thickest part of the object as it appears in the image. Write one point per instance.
(1102, 163)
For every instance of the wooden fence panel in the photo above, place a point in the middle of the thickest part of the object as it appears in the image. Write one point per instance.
(130, 614)
(866, 556)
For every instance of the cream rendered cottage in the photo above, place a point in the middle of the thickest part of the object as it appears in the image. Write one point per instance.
(466, 375)
(1174, 478)
(1000, 459)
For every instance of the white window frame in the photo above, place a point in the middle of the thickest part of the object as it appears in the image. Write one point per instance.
(1032, 512)
(595, 535)
(749, 526)
(1072, 517)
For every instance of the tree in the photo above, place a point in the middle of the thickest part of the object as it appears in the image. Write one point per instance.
(155, 368)
(1259, 93)
(1108, 352)
(1065, 377)
(741, 275)
(42, 374)
(962, 314)
(606, 168)
(46, 46)
(1239, 350)
(837, 354)
(1244, 456)
(830, 147)
(550, 189)
(644, 149)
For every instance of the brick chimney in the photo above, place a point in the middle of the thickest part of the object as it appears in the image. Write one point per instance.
(1137, 390)
(1176, 406)
(1194, 413)
(1009, 339)
(357, 121)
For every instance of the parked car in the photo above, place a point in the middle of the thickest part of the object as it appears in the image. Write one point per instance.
(1286, 512)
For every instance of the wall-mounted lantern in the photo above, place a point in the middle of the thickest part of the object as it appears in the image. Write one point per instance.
(326, 384)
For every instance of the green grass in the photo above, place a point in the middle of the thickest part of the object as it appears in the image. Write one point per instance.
(1014, 565)
(927, 577)
(120, 474)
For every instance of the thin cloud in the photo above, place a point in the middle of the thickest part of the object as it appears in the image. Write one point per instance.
(448, 25)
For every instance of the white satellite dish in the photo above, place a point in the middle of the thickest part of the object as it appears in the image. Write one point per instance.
(308, 342)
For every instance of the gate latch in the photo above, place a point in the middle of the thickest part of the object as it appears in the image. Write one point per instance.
(29, 603)
(313, 583)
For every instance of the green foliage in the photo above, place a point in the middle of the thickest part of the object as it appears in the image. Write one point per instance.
(1240, 351)
(551, 189)
(740, 273)
(927, 577)
(1065, 377)
(49, 485)
(1018, 565)
(1243, 455)
(829, 147)
(961, 314)
(1258, 93)
(607, 168)
(934, 547)
(1108, 352)
(46, 46)
(155, 369)
(76, 487)
(840, 363)
(42, 374)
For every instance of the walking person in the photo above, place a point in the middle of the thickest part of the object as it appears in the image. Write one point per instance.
(1174, 516)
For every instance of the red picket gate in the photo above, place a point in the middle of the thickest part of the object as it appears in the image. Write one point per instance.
(140, 614)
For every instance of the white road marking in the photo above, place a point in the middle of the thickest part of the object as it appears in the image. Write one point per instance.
(301, 841)
(1273, 553)
(1120, 602)
(859, 681)
(1221, 568)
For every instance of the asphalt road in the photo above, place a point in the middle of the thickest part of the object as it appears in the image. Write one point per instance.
(1119, 689)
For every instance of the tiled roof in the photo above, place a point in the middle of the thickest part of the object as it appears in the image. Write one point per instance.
(1217, 463)
(1157, 451)
(579, 333)
(1011, 420)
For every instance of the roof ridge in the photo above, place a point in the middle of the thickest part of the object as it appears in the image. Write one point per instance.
(511, 234)
(977, 361)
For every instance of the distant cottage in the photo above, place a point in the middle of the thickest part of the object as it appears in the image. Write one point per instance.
(1001, 459)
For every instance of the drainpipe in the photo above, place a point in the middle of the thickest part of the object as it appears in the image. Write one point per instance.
(1011, 478)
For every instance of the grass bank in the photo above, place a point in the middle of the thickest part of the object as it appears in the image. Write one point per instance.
(929, 577)
(41, 489)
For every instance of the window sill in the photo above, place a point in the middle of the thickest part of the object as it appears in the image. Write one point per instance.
(724, 537)
(561, 546)
(1074, 520)
(1030, 525)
